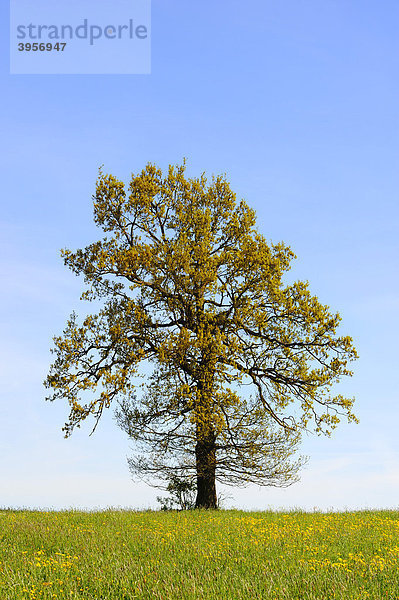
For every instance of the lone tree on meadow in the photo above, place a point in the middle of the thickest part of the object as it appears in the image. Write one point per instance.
(241, 363)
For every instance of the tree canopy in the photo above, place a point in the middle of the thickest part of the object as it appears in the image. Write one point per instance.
(242, 362)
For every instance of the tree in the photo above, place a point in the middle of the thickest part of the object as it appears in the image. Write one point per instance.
(191, 287)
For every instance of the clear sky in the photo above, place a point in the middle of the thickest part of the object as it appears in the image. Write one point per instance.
(297, 102)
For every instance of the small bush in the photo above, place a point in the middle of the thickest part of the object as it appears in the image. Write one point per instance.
(182, 494)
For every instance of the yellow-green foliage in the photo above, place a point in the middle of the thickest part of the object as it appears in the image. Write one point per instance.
(192, 288)
(200, 555)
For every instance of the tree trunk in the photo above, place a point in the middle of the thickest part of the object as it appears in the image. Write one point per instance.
(205, 455)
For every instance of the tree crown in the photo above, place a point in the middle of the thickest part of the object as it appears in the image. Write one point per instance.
(190, 286)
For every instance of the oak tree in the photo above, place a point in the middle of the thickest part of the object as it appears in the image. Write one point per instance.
(242, 362)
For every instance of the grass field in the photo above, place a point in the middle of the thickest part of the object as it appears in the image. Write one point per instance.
(208, 555)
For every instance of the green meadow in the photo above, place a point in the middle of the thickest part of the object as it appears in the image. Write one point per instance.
(209, 555)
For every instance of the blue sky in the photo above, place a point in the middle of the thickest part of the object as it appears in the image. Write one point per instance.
(297, 102)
